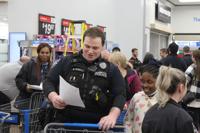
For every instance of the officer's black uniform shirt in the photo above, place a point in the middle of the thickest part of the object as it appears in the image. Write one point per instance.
(86, 76)
(170, 119)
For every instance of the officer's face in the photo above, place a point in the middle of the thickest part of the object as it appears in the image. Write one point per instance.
(92, 48)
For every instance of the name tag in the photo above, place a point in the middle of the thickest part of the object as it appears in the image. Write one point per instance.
(101, 74)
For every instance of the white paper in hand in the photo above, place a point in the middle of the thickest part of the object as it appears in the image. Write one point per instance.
(70, 94)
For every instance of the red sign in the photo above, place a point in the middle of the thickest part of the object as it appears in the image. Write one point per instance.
(46, 24)
(45, 19)
(65, 26)
(65, 22)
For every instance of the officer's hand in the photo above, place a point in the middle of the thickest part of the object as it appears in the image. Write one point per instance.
(109, 121)
(28, 88)
(56, 100)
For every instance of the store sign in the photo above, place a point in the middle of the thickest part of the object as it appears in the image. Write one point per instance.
(46, 24)
(196, 19)
(192, 44)
(163, 13)
(65, 26)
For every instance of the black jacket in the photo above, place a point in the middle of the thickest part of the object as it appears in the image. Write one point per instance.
(174, 62)
(188, 59)
(27, 75)
(136, 63)
(169, 119)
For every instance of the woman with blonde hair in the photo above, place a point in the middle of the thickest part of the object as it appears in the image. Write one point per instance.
(167, 116)
(133, 84)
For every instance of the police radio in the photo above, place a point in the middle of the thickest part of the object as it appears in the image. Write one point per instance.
(97, 95)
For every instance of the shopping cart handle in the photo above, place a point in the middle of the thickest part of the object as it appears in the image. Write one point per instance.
(61, 127)
(85, 125)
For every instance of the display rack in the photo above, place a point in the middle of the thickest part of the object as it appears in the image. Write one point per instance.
(69, 42)
(75, 35)
(29, 48)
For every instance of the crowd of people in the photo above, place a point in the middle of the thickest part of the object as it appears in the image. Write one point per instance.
(159, 96)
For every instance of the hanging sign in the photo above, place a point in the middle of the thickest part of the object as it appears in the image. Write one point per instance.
(196, 19)
(46, 24)
(65, 26)
(163, 13)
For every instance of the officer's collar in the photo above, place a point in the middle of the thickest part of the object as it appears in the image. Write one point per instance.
(84, 60)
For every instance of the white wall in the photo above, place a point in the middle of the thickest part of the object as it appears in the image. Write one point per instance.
(183, 19)
(23, 14)
(123, 19)
(3, 23)
(3, 31)
(3, 9)
(130, 25)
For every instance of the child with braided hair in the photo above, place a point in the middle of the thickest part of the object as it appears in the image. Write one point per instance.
(142, 100)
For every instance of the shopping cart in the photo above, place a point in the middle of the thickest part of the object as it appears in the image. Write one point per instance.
(84, 127)
(79, 128)
(7, 118)
(21, 121)
(120, 120)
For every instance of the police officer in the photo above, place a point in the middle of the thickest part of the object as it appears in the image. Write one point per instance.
(100, 83)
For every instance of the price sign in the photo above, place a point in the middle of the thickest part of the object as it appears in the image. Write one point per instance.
(65, 26)
(46, 24)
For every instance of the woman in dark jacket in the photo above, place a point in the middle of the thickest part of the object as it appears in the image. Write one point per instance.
(34, 72)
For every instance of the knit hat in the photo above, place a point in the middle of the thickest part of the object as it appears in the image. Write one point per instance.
(173, 48)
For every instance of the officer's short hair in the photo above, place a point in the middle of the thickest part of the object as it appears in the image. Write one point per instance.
(94, 32)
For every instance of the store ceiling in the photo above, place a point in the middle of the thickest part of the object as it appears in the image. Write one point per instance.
(174, 2)
(177, 3)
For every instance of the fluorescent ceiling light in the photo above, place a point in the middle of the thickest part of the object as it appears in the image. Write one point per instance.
(189, 0)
